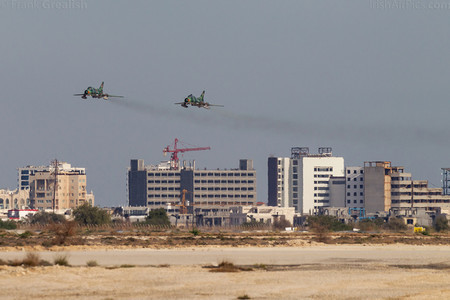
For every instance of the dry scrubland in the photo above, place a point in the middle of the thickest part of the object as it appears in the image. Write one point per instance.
(157, 263)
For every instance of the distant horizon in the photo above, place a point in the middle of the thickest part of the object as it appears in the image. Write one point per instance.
(367, 79)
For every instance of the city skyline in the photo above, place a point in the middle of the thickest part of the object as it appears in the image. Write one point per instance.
(369, 81)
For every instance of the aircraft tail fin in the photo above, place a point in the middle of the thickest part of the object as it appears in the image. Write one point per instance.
(101, 86)
(202, 96)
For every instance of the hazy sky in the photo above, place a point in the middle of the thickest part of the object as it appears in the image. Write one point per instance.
(368, 78)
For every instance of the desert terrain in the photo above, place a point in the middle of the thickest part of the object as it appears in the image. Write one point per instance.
(185, 266)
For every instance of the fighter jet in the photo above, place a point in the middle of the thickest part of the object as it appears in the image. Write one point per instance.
(96, 93)
(199, 102)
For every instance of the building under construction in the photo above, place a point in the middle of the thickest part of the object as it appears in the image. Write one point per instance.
(162, 186)
(181, 187)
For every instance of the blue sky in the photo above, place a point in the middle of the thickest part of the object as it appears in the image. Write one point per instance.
(369, 81)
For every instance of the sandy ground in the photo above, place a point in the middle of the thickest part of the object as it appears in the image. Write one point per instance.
(338, 272)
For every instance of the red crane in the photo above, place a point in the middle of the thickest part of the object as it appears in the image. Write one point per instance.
(174, 160)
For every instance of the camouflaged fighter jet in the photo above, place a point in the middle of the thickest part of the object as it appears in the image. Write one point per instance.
(199, 102)
(96, 93)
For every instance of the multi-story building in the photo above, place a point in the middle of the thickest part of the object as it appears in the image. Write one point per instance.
(389, 187)
(24, 173)
(308, 179)
(354, 187)
(162, 186)
(70, 188)
(17, 199)
(278, 174)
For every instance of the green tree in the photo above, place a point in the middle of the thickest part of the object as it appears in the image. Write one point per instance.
(396, 224)
(327, 223)
(158, 217)
(90, 215)
(441, 223)
(44, 218)
(8, 224)
(281, 224)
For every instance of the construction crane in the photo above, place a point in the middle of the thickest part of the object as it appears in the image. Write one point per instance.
(182, 205)
(174, 160)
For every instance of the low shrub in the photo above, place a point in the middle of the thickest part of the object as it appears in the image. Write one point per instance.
(8, 225)
(61, 260)
(92, 263)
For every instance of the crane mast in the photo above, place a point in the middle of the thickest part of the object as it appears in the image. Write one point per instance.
(174, 159)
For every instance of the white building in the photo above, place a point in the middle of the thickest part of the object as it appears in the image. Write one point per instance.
(279, 182)
(307, 186)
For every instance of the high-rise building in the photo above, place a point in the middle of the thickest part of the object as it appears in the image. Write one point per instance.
(307, 184)
(161, 186)
(278, 174)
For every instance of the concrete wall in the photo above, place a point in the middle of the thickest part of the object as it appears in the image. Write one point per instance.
(377, 189)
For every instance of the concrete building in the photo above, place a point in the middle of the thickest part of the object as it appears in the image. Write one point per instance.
(24, 173)
(337, 191)
(354, 191)
(377, 186)
(389, 187)
(279, 177)
(70, 189)
(307, 186)
(160, 185)
(16, 199)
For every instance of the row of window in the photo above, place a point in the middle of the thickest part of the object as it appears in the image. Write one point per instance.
(355, 201)
(321, 201)
(321, 194)
(321, 188)
(229, 174)
(355, 171)
(321, 182)
(204, 203)
(224, 189)
(355, 194)
(355, 186)
(225, 181)
(202, 196)
(323, 169)
(164, 181)
(422, 201)
(356, 179)
(163, 188)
